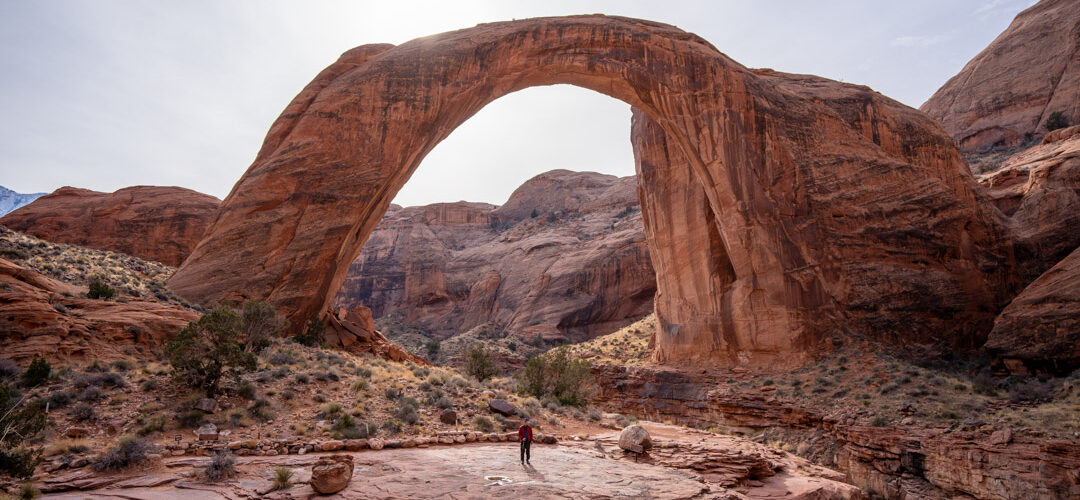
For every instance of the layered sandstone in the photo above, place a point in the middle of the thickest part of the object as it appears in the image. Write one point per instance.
(577, 269)
(1004, 95)
(1040, 328)
(40, 316)
(153, 222)
(840, 211)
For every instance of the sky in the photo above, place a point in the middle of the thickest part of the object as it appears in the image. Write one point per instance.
(106, 94)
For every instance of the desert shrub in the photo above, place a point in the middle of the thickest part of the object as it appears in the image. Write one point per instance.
(148, 385)
(246, 390)
(37, 373)
(222, 466)
(28, 492)
(92, 393)
(1031, 390)
(59, 399)
(282, 477)
(125, 453)
(121, 365)
(259, 322)
(391, 426)
(313, 333)
(364, 372)
(444, 402)
(207, 350)
(260, 409)
(432, 348)
(303, 378)
(83, 412)
(358, 430)
(878, 422)
(190, 419)
(457, 381)
(483, 424)
(360, 385)
(595, 415)
(406, 412)
(1056, 120)
(282, 358)
(8, 368)
(287, 395)
(480, 363)
(156, 424)
(20, 419)
(558, 376)
(392, 393)
(98, 289)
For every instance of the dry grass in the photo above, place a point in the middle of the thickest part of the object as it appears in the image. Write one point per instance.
(628, 345)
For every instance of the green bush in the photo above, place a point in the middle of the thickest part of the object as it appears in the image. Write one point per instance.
(37, 373)
(20, 419)
(558, 376)
(480, 363)
(282, 477)
(208, 350)
(432, 347)
(1056, 120)
(98, 289)
(259, 322)
(313, 334)
(483, 424)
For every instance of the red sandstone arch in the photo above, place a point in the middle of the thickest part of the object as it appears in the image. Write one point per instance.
(771, 205)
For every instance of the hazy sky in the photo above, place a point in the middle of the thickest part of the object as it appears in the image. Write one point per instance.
(105, 94)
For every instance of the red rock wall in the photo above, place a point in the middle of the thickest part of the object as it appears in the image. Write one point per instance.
(1009, 90)
(152, 222)
(834, 223)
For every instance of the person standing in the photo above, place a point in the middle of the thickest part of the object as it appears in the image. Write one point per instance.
(525, 437)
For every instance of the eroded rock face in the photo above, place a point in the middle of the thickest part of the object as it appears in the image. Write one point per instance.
(43, 317)
(1009, 90)
(159, 223)
(1041, 326)
(579, 268)
(839, 209)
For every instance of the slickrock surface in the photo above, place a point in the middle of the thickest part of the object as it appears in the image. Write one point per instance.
(153, 222)
(889, 461)
(1041, 326)
(831, 218)
(1007, 91)
(1038, 190)
(690, 465)
(40, 316)
(579, 268)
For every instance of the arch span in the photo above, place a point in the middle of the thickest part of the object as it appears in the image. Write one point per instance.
(757, 187)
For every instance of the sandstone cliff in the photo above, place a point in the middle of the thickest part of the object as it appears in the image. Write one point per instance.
(153, 222)
(580, 267)
(1006, 93)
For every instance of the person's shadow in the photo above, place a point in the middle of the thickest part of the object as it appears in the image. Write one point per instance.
(534, 474)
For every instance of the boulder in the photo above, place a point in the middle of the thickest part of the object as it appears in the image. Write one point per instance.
(448, 416)
(502, 407)
(333, 445)
(635, 438)
(331, 474)
(206, 405)
(545, 439)
(376, 443)
(355, 444)
(1001, 437)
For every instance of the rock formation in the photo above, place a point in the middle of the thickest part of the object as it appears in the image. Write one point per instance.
(153, 222)
(331, 474)
(1005, 94)
(577, 269)
(1040, 328)
(40, 316)
(839, 211)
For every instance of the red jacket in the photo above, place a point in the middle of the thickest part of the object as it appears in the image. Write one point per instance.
(524, 433)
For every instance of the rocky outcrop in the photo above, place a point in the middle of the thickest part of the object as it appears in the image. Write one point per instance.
(153, 222)
(40, 316)
(579, 268)
(1038, 190)
(1004, 95)
(10, 200)
(840, 210)
(354, 331)
(1040, 328)
(910, 462)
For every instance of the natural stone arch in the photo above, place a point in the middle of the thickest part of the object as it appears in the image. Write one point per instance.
(753, 151)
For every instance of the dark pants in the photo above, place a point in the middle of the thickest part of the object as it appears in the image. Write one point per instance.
(525, 446)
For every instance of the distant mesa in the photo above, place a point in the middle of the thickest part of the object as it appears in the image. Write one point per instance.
(158, 223)
(10, 200)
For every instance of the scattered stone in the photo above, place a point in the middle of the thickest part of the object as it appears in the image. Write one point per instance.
(448, 416)
(502, 407)
(355, 444)
(331, 445)
(1002, 437)
(331, 474)
(376, 443)
(635, 438)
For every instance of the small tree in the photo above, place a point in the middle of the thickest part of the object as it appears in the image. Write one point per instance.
(313, 334)
(98, 289)
(208, 350)
(480, 363)
(557, 375)
(19, 420)
(37, 373)
(432, 346)
(259, 323)
(1056, 120)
